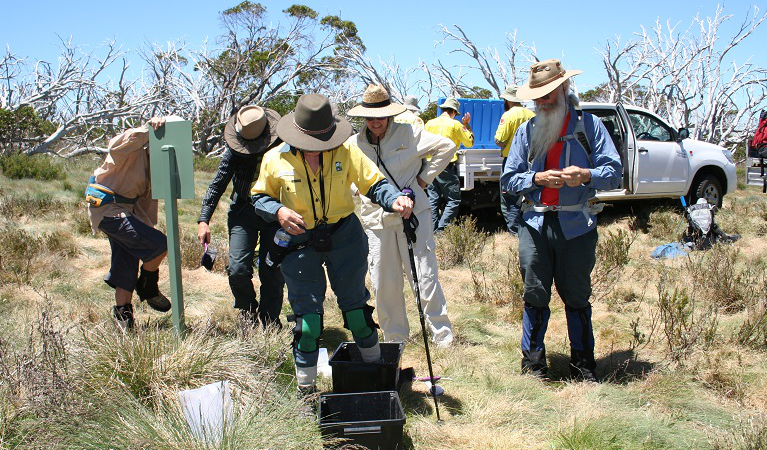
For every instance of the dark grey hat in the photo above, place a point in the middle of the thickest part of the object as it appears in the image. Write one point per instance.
(313, 126)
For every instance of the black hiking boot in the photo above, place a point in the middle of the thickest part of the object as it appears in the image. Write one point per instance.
(124, 316)
(148, 291)
(534, 363)
(582, 366)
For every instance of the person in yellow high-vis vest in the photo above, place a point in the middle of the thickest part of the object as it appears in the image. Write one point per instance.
(445, 191)
(515, 115)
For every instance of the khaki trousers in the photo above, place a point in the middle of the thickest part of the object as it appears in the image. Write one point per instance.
(387, 257)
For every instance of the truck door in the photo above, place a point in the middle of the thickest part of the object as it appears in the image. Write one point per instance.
(627, 150)
(662, 165)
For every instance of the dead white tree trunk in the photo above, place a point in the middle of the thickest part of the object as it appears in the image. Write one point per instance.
(690, 77)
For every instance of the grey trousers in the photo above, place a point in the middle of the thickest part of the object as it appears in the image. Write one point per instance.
(548, 257)
(245, 226)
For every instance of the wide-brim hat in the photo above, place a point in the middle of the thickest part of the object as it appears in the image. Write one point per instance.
(510, 94)
(451, 103)
(376, 103)
(545, 76)
(411, 104)
(265, 140)
(312, 126)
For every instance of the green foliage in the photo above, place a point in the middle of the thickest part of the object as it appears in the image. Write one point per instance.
(205, 164)
(16, 206)
(300, 11)
(245, 7)
(285, 102)
(459, 243)
(25, 253)
(345, 29)
(38, 167)
(476, 92)
(20, 127)
(721, 281)
(505, 288)
(686, 325)
(612, 256)
(753, 331)
(430, 112)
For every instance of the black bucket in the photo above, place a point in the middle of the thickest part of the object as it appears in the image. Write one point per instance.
(351, 374)
(372, 419)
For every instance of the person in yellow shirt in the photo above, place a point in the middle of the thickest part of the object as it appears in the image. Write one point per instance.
(411, 113)
(445, 191)
(514, 116)
(305, 184)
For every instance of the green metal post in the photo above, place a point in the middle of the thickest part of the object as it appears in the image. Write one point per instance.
(174, 253)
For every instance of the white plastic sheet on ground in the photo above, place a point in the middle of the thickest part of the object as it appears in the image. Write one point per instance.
(323, 364)
(207, 410)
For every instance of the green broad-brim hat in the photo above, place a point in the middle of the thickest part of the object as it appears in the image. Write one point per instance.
(510, 94)
(451, 103)
(312, 126)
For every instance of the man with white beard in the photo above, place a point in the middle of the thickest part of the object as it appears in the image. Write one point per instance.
(557, 161)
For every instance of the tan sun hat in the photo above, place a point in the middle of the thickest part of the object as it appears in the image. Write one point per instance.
(376, 103)
(312, 126)
(252, 130)
(545, 76)
(510, 94)
(451, 103)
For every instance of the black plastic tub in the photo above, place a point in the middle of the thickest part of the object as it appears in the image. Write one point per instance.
(351, 374)
(371, 419)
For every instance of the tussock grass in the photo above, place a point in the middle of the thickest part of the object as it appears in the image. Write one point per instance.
(684, 368)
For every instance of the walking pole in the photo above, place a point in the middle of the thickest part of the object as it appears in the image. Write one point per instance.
(410, 226)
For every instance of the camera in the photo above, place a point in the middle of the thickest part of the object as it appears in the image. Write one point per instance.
(322, 239)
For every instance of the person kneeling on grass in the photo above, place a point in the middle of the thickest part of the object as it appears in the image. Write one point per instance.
(305, 184)
(120, 204)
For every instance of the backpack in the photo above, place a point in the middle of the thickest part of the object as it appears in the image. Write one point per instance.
(759, 142)
(702, 231)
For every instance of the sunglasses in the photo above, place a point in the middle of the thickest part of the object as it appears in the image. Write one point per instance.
(370, 119)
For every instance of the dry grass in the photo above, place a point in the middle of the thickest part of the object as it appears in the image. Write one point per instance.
(674, 380)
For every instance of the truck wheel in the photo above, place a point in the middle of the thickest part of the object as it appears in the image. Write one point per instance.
(708, 187)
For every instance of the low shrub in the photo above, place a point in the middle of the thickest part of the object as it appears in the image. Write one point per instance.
(718, 279)
(685, 324)
(206, 164)
(665, 224)
(15, 206)
(36, 167)
(505, 288)
(459, 243)
(749, 434)
(24, 253)
(612, 256)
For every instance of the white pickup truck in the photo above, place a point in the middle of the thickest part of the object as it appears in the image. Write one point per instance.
(658, 161)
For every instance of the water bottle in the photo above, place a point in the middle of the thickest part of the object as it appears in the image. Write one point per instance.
(279, 249)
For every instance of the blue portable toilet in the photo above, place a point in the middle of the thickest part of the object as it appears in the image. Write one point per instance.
(485, 116)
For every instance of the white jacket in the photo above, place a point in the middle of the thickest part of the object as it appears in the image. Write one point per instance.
(403, 151)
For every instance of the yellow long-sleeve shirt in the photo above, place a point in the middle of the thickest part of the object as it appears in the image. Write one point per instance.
(451, 129)
(507, 128)
(283, 177)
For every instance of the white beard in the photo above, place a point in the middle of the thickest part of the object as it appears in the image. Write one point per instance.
(547, 126)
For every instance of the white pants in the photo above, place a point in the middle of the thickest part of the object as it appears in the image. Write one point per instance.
(388, 254)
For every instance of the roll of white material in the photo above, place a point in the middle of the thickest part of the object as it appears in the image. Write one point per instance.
(208, 410)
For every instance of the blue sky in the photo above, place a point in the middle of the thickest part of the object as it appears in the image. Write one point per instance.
(404, 29)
